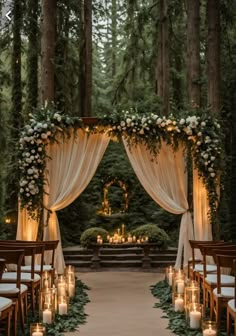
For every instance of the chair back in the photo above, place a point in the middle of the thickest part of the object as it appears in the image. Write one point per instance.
(30, 250)
(196, 243)
(224, 260)
(2, 267)
(14, 256)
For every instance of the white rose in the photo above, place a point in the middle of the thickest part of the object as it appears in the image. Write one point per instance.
(168, 122)
(40, 149)
(30, 131)
(44, 136)
(143, 120)
(199, 143)
(141, 131)
(128, 120)
(59, 118)
(45, 126)
(21, 190)
(213, 174)
(213, 158)
(159, 121)
(30, 171)
(199, 134)
(114, 127)
(49, 133)
(56, 115)
(28, 160)
(163, 124)
(205, 156)
(122, 123)
(27, 154)
(28, 195)
(210, 169)
(182, 121)
(203, 124)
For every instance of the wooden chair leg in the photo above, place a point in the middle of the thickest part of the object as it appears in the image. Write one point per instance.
(229, 323)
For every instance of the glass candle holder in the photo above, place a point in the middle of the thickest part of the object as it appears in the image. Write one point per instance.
(179, 282)
(191, 293)
(63, 305)
(209, 328)
(46, 306)
(71, 284)
(178, 302)
(69, 269)
(194, 315)
(54, 291)
(62, 288)
(169, 275)
(37, 329)
(46, 280)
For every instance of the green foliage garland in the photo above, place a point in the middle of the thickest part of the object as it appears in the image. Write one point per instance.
(177, 321)
(200, 134)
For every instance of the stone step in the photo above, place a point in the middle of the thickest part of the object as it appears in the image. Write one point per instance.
(77, 252)
(78, 264)
(78, 257)
(115, 263)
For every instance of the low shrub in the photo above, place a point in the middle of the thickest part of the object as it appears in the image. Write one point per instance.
(154, 234)
(89, 236)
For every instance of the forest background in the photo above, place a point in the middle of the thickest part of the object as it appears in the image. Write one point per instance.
(94, 57)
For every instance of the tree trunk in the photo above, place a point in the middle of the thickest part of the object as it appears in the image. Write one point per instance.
(16, 68)
(32, 55)
(193, 53)
(87, 111)
(162, 71)
(114, 37)
(48, 50)
(213, 56)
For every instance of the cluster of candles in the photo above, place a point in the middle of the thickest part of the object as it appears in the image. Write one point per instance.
(186, 298)
(53, 298)
(119, 237)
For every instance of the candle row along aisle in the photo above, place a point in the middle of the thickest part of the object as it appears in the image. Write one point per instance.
(61, 304)
(179, 298)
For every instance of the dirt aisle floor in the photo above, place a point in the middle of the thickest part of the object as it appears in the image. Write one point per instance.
(121, 304)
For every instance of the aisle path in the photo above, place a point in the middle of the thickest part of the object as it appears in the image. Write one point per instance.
(121, 305)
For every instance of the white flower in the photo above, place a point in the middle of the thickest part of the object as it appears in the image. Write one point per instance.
(143, 120)
(30, 171)
(30, 131)
(49, 133)
(122, 123)
(199, 134)
(44, 136)
(128, 120)
(28, 195)
(168, 122)
(163, 124)
(23, 183)
(182, 121)
(212, 158)
(27, 154)
(45, 126)
(199, 143)
(213, 174)
(205, 156)
(210, 169)
(59, 118)
(40, 149)
(141, 131)
(159, 121)
(203, 124)
(21, 190)
(56, 115)
(39, 141)
(39, 125)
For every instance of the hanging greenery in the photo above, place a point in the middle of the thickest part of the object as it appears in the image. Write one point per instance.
(201, 134)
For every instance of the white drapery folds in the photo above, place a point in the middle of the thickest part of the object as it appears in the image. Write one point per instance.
(202, 226)
(71, 165)
(165, 180)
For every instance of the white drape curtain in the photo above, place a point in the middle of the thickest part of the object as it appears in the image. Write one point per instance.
(71, 167)
(165, 180)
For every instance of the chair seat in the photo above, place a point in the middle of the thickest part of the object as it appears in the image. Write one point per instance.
(37, 268)
(231, 304)
(10, 288)
(224, 279)
(227, 292)
(25, 277)
(4, 303)
(209, 268)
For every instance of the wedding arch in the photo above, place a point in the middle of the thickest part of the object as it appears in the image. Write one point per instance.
(60, 154)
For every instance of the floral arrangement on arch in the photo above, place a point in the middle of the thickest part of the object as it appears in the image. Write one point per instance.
(200, 134)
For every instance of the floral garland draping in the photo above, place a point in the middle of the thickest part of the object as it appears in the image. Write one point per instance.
(201, 134)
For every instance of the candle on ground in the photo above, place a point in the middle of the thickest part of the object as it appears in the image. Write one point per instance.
(62, 308)
(209, 332)
(37, 333)
(170, 278)
(195, 319)
(47, 316)
(179, 304)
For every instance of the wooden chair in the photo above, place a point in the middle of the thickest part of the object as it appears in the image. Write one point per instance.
(231, 307)
(210, 279)
(30, 279)
(195, 266)
(6, 307)
(14, 290)
(221, 294)
(50, 248)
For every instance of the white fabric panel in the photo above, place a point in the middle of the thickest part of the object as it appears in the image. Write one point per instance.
(202, 227)
(71, 167)
(165, 180)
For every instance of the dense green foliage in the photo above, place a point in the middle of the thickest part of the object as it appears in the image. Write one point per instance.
(89, 236)
(154, 234)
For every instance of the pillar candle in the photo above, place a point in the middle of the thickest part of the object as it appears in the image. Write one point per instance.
(47, 316)
(209, 332)
(179, 305)
(180, 286)
(195, 319)
(62, 308)
(37, 333)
